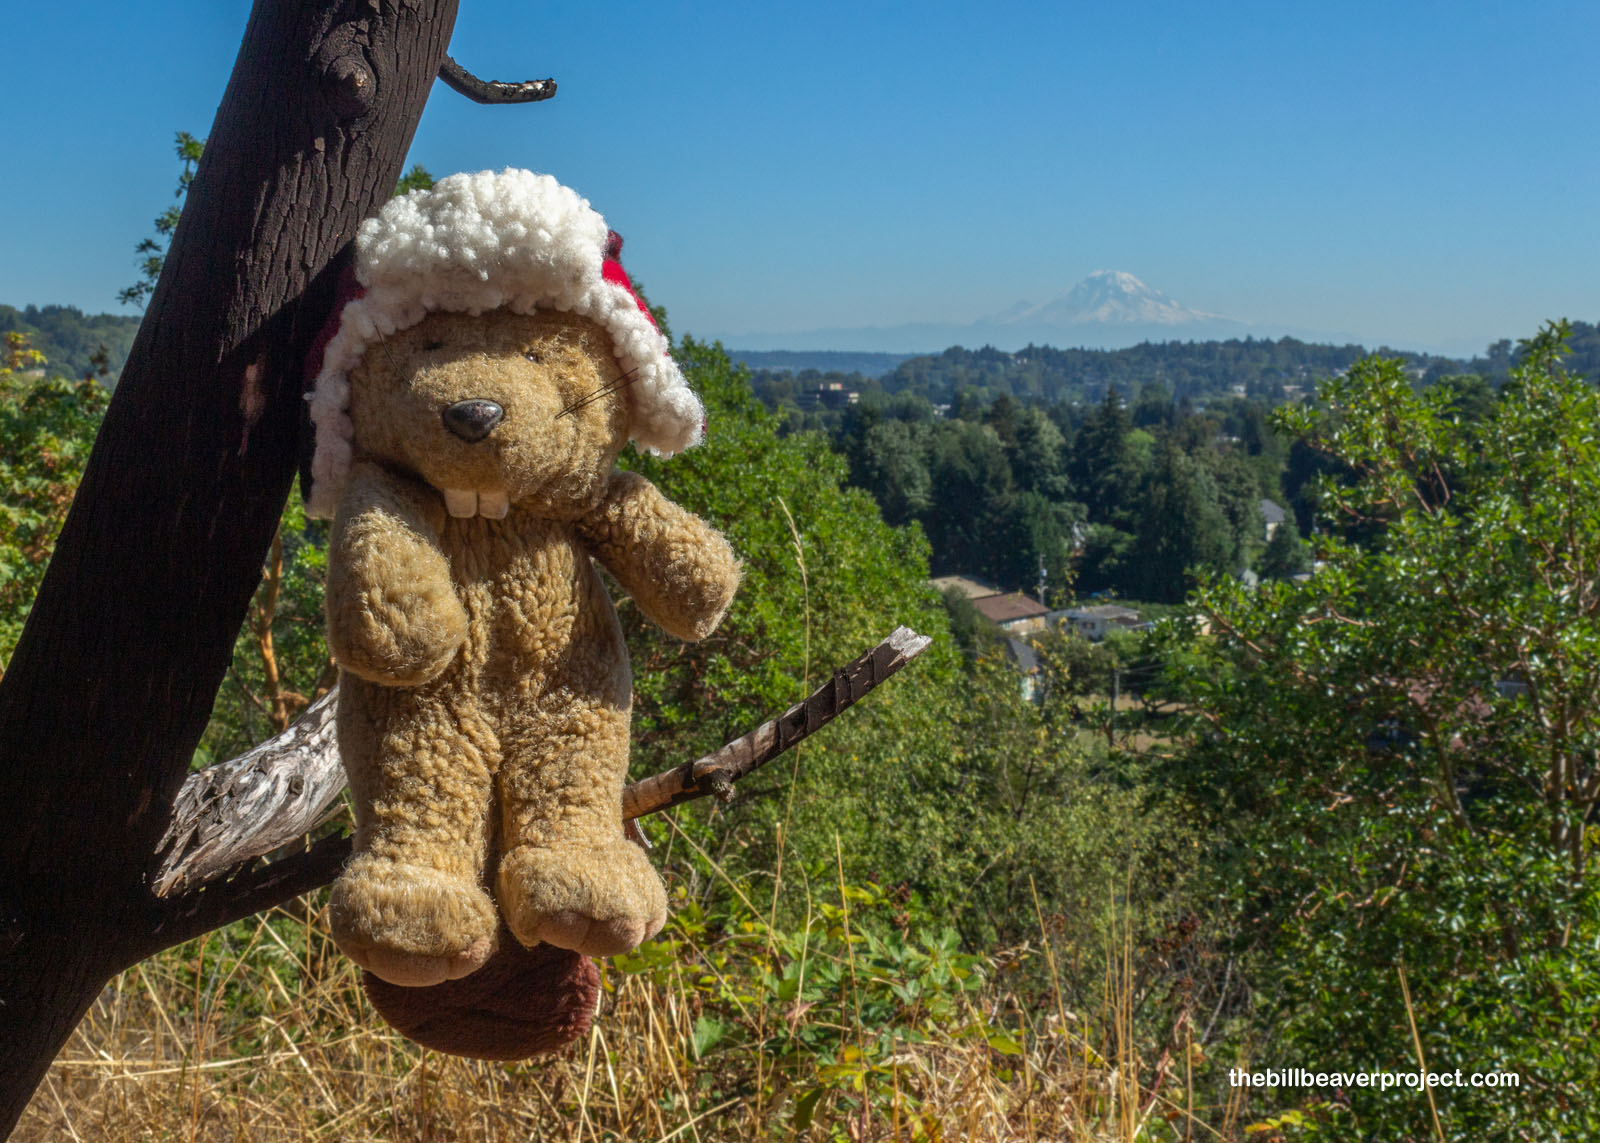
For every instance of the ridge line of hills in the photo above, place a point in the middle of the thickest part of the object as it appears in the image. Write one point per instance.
(1265, 368)
(1259, 368)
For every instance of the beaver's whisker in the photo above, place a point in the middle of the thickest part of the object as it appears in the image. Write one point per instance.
(612, 386)
(384, 345)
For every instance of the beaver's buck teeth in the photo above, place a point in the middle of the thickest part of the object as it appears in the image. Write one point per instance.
(494, 505)
(460, 503)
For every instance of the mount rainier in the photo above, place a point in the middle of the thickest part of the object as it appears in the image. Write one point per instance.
(1109, 309)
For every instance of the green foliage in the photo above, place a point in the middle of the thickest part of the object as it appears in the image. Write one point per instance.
(153, 251)
(971, 632)
(945, 780)
(816, 592)
(1181, 527)
(1583, 343)
(825, 1004)
(47, 426)
(1397, 758)
(1004, 490)
(1105, 465)
(1286, 554)
(280, 658)
(76, 344)
(417, 178)
(1083, 668)
(987, 495)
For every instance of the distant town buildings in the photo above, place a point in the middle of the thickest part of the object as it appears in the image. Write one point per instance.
(1020, 617)
(1018, 614)
(827, 394)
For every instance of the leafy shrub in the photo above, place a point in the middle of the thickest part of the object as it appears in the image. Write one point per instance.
(1396, 761)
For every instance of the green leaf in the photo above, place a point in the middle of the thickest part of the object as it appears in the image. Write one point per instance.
(805, 1108)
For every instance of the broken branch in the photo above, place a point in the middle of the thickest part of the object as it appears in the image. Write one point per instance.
(255, 803)
(715, 773)
(459, 79)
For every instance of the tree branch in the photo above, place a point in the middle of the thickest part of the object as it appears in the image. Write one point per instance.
(228, 815)
(249, 891)
(715, 773)
(254, 803)
(459, 79)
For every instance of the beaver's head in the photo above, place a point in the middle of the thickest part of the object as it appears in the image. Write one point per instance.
(496, 409)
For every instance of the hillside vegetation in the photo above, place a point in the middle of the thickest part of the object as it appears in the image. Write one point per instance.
(76, 344)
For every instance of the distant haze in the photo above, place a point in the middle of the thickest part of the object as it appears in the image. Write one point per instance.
(1109, 309)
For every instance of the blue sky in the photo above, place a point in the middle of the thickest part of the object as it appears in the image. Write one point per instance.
(1412, 172)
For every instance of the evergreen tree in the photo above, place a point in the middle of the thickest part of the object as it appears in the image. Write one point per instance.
(971, 490)
(1103, 465)
(1181, 527)
(1037, 454)
(1239, 499)
(1285, 555)
(897, 472)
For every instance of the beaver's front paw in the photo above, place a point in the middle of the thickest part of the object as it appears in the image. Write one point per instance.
(409, 924)
(400, 636)
(595, 899)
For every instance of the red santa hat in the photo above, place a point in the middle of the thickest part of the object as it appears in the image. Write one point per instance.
(480, 242)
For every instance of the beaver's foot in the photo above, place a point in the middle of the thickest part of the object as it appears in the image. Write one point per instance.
(597, 899)
(409, 924)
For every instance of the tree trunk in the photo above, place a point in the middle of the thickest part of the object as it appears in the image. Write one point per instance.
(113, 680)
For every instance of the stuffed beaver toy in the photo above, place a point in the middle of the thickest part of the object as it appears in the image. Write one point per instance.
(469, 407)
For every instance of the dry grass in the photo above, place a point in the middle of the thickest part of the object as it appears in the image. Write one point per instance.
(261, 1032)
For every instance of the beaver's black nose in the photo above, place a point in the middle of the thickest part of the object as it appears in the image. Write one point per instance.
(472, 420)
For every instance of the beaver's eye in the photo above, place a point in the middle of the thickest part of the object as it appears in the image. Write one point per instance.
(432, 345)
(534, 355)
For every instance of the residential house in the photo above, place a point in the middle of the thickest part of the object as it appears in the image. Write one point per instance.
(1026, 660)
(1272, 516)
(969, 586)
(1015, 613)
(1093, 622)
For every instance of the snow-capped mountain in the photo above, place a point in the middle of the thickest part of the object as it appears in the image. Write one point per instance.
(1107, 310)
(1106, 297)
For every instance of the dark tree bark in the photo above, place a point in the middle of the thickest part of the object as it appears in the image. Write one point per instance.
(113, 680)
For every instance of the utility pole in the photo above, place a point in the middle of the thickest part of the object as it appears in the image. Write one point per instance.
(1111, 718)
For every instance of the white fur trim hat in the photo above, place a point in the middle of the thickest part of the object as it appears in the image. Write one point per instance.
(479, 242)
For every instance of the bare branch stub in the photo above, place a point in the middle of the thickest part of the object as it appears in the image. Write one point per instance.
(230, 814)
(459, 79)
(254, 803)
